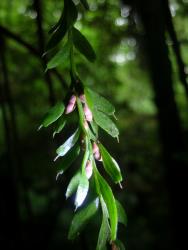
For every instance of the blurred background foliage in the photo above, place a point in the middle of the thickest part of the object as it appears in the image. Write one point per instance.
(33, 207)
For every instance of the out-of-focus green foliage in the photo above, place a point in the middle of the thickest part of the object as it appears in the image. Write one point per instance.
(119, 73)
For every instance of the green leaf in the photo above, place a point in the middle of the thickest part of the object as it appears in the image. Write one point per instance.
(110, 202)
(57, 24)
(60, 58)
(70, 14)
(110, 165)
(104, 233)
(106, 123)
(68, 159)
(53, 114)
(94, 128)
(82, 191)
(81, 218)
(85, 4)
(59, 126)
(82, 44)
(66, 146)
(73, 185)
(122, 217)
(98, 102)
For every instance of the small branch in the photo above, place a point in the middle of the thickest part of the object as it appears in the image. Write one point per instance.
(16, 38)
(9, 34)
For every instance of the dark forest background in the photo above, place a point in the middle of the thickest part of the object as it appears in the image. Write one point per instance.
(142, 49)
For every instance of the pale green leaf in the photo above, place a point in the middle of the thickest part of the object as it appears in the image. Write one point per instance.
(82, 191)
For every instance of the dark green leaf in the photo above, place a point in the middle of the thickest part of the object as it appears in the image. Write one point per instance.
(104, 233)
(59, 58)
(68, 159)
(81, 218)
(122, 217)
(56, 37)
(106, 123)
(57, 24)
(110, 165)
(98, 102)
(85, 4)
(69, 17)
(110, 202)
(82, 44)
(66, 146)
(73, 185)
(59, 126)
(53, 114)
(94, 128)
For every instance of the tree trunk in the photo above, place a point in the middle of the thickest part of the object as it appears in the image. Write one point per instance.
(151, 13)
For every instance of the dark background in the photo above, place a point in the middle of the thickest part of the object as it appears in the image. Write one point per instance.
(142, 53)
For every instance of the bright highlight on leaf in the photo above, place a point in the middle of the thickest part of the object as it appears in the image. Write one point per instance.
(70, 142)
(81, 191)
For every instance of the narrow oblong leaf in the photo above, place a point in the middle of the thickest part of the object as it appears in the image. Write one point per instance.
(70, 142)
(96, 101)
(81, 218)
(82, 191)
(110, 165)
(110, 202)
(54, 27)
(104, 233)
(82, 44)
(59, 126)
(106, 123)
(53, 114)
(85, 4)
(68, 159)
(68, 19)
(73, 185)
(59, 58)
(56, 37)
(122, 217)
